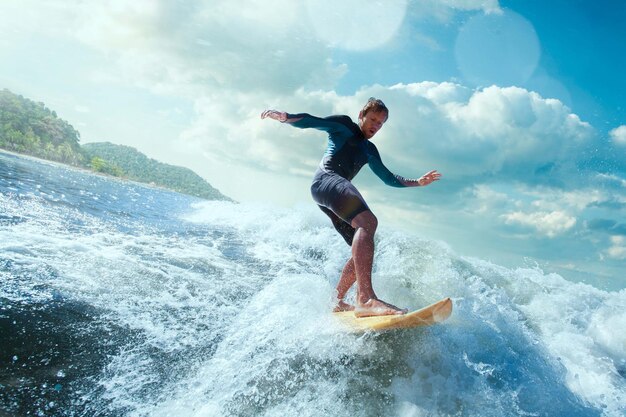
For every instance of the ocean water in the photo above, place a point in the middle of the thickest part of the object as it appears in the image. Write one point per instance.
(118, 299)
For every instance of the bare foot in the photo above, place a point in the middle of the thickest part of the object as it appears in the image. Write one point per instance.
(375, 307)
(343, 306)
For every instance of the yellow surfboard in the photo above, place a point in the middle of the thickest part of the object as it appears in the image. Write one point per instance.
(435, 313)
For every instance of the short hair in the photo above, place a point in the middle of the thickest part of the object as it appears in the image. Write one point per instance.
(375, 104)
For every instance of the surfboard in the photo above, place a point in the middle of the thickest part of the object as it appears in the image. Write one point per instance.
(435, 313)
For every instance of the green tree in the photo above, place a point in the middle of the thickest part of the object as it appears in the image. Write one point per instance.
(32, 128)
(102, 166)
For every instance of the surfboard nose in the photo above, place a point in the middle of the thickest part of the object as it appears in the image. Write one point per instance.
(443, 310)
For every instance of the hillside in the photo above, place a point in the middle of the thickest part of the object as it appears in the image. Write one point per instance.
(138, 167)
(30, 128)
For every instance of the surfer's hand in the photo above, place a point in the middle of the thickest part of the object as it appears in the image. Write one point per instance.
(429, 177)
(281, 116)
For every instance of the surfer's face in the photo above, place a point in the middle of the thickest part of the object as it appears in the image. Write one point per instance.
(371, 122)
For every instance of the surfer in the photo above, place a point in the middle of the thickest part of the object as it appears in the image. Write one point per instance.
(349, 148)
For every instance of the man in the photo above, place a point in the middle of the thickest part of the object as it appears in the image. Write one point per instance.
(349, 148)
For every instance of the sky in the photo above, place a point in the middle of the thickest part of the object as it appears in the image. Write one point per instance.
(519, 104)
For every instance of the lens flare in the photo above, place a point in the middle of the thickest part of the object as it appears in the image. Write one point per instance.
(356, 24)
(497, 48)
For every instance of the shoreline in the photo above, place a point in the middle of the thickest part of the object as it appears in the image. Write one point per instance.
(92, 172)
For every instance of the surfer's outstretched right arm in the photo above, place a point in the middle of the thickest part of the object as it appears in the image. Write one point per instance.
(337, 126)
(281, 116)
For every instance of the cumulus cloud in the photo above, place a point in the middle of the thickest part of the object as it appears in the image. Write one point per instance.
(577, 200)
(186, 48)
(193, 48)
(487, 200)
(612, 179)
(618, 135)
(547, 210)
(497, 131)
(443, 10)
(549, 223)
(617, 250)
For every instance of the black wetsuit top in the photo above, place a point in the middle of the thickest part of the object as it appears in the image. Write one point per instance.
(347, 152)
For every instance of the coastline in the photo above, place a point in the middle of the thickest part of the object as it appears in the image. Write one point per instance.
(92, 172)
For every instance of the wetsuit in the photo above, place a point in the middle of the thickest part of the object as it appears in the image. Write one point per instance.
(347, 152)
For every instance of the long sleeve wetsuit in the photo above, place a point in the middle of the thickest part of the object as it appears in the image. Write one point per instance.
(348, 150)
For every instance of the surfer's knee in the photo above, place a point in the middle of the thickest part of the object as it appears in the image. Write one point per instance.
(367, 221)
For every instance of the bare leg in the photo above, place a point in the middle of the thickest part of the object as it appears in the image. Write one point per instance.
(368, 304)
(347, 279)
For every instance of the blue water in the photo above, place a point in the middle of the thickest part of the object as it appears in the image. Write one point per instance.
(118, 299)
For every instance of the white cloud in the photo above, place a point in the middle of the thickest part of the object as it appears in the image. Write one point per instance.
(443, 10)
(617, 250)
(612, 178)
(509, 132)
(445, 93)
(550, 224)
(486, 5)
(550, 211)
(618, 135)
(189, 49)
(488, 200)
(545, 198)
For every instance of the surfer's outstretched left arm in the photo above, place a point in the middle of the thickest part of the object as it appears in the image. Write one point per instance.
(425, 179)
(389, 178)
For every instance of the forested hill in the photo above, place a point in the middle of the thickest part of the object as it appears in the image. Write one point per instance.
(138, 167)
(30, 128)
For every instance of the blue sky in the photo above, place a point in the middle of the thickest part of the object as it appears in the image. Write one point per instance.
(517, 103)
